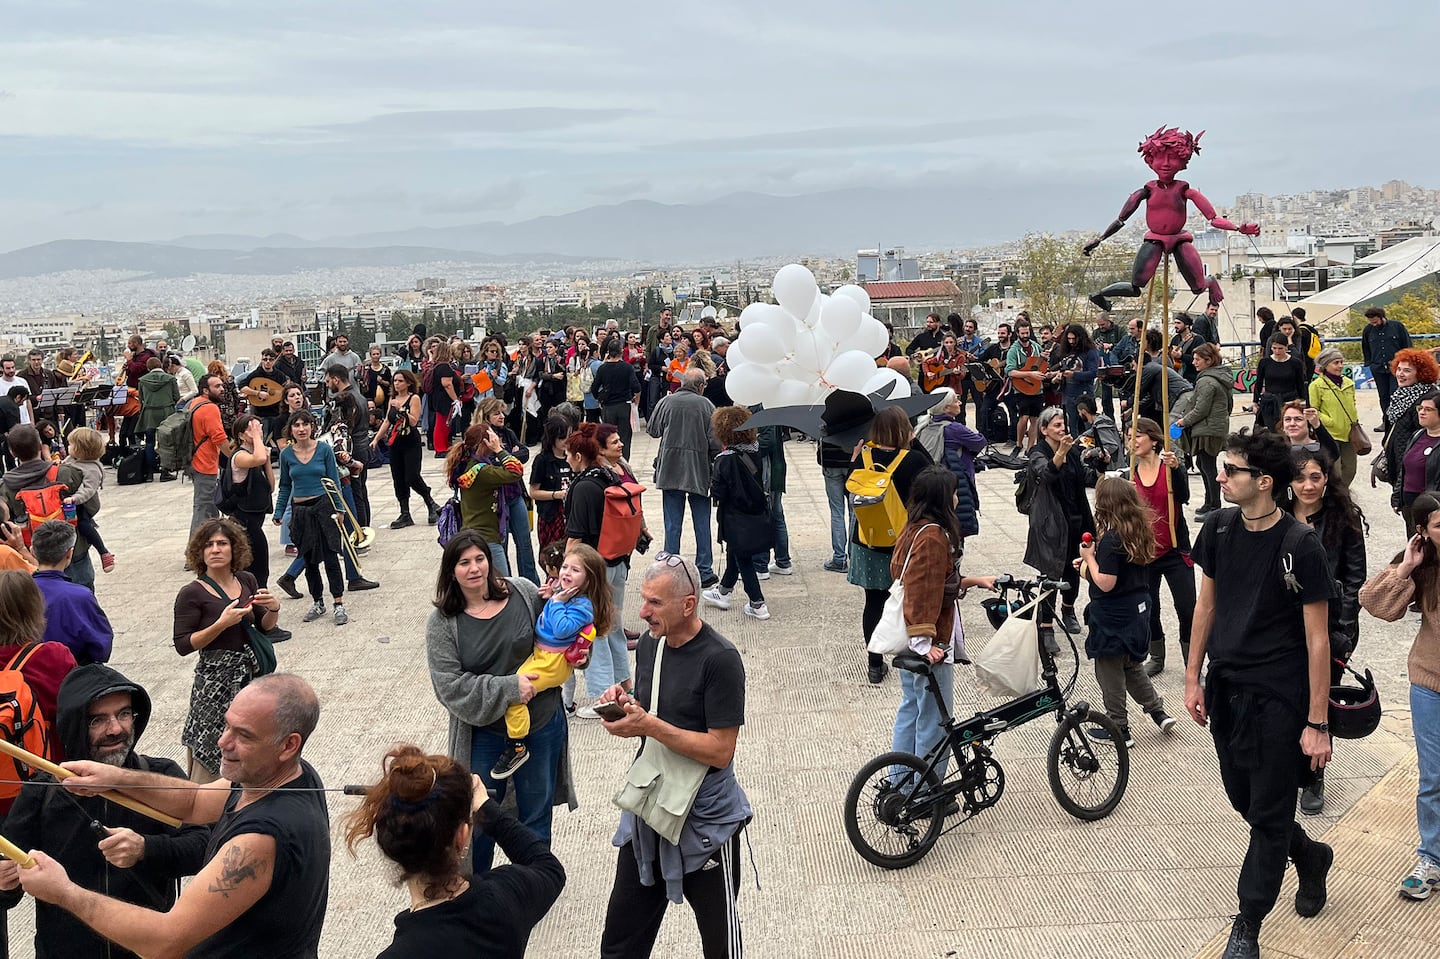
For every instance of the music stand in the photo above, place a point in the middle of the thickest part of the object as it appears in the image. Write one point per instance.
(57, 398)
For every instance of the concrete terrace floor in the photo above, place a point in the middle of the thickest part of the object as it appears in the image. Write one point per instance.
(1023, 878)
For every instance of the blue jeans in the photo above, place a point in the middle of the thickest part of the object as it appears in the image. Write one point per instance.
(835, 477)
(610, 657)
(673, 502)
(285, 527)
(534, 782)
(152, 459)
(519, 522)
(1425, 720)
(917, 722)
(782, 537)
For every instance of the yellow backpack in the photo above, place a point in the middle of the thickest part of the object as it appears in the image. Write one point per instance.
(879, 511)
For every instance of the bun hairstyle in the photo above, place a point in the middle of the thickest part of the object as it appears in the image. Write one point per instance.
(414, 812)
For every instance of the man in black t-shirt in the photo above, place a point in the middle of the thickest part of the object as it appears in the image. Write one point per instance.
(1266, 697)
(266, 882)
(616, 387)
(696, 712)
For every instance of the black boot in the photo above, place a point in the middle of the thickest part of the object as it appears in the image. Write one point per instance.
(1312, 797)
(1313, 868)
(1244, 941)
(1155, 665)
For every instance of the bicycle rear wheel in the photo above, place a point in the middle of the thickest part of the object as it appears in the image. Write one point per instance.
(1088, 775)
(891, 817)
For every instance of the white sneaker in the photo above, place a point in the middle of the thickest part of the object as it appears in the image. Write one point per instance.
(757, 612)
(716, 597)
(587, 712)
(1422, 881)
(779, 570)
(762, 575)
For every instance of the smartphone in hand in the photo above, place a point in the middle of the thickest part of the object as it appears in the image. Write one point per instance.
(611, 711)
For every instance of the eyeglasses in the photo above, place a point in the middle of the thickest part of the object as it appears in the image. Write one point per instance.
(125, 717)
(1231, 469)
(671, 560)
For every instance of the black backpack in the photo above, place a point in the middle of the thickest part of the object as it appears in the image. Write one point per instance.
(133, 468)
(1024, 491)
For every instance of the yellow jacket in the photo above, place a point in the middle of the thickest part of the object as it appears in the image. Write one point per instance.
(1335, 404)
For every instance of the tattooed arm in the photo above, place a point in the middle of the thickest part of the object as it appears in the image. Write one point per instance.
(223, 891)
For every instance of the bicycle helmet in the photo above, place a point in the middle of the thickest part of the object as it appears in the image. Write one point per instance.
(1354, 710)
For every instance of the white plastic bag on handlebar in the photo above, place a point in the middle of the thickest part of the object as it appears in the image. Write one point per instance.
(1009, 665)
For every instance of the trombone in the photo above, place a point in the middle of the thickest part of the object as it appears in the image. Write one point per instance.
(354, 536)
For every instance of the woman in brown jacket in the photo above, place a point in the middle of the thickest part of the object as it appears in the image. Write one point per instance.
(1414, 576)
(927, 561)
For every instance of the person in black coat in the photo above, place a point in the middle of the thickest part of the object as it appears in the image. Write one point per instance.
(1319, 498)
(1060, 512)
(99, 715)
(1279, 378)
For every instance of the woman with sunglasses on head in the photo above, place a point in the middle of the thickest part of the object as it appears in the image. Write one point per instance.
(1319, 498)
(1413, 576)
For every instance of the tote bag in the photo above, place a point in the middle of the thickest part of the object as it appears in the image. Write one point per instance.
(1009, 665)
(891, 636)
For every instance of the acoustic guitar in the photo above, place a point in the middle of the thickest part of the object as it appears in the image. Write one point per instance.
(261, 392)
(936, 369)
(1034, 383)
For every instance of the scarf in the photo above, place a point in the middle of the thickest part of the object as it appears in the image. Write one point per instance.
(1404, 398)
(1337, 380)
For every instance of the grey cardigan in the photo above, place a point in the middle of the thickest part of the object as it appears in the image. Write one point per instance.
(479, 700)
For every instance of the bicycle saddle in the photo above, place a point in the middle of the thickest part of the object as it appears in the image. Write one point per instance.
(912, 662)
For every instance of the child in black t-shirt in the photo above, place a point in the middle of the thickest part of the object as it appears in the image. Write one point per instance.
(1118, 612)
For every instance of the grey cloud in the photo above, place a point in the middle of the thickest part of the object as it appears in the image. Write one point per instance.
(498, 198)
(876, 136)
(439, 122)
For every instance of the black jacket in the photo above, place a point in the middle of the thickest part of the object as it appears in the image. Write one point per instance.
(738, 489)
(1432, 470)
(1050, 547)
(1401, 434)
(44, 819)
(1150, 397)
(1345, 556)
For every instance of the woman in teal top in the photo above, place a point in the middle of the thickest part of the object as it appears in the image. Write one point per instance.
(303, 464)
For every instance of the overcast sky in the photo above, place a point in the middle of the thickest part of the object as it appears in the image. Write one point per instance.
(148, 120)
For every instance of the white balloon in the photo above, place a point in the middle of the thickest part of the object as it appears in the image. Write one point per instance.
(751, 384)
(871, 338)
(754, 313)
(884, 377)
(734, 356)
(812, 317)
(787, 370)
(856, 293)
(850, 370)
(841, 318)
(789, 393)
(813, 352)
(818, 392)
(786, 327)
(795, 289)
(761, 343)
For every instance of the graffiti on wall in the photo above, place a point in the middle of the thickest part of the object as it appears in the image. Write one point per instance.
(1245, 379)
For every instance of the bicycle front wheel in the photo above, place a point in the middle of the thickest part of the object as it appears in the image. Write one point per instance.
(892, 817)
(1088, 774)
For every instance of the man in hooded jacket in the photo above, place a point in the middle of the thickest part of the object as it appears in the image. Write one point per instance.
(100, 715)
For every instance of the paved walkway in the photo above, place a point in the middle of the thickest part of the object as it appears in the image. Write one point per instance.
(1156, 878)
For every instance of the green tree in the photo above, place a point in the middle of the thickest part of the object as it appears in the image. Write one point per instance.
(399, 326)
(1418, 308)
(1058, 277)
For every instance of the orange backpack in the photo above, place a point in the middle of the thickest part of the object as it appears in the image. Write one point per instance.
(44, 503)
(21, 723)
(622, 519)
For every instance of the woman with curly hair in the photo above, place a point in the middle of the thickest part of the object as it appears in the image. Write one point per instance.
(1416, 374)
(210, 617)
(422, 814)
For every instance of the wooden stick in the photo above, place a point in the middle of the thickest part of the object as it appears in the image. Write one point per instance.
(1165, 397)
(60, 772)
(15, 854)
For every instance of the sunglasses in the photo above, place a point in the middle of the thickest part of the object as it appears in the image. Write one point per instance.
(1231, 469)
(671, 560)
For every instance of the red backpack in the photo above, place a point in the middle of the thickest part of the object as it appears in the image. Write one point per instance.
(622, 521)
(44, 503)
(21, 723)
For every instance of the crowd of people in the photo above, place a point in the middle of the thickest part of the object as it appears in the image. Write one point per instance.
(522, 605)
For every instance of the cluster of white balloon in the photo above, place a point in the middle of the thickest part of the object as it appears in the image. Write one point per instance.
(798, 350)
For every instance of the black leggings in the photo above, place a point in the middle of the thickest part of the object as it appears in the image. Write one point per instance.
(1208, 469)
(332, 572)
(1181, 578)
(870, 618)
(254, 526)
(405, 472)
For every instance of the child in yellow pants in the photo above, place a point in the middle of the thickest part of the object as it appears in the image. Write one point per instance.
(573, 616)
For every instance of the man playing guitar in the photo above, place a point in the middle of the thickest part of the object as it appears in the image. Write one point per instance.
(1025, 368)
(264, 391)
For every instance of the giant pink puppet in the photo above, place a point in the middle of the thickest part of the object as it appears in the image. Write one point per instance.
(1167, 152)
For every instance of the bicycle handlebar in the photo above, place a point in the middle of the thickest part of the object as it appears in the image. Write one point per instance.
(1041, 583)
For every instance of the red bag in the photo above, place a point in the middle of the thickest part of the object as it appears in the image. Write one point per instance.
(21, 723)
(622, 521)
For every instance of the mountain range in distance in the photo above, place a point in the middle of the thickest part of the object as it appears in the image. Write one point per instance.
(741, 225)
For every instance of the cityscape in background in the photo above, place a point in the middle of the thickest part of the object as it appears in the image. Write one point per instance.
(1309, 242)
